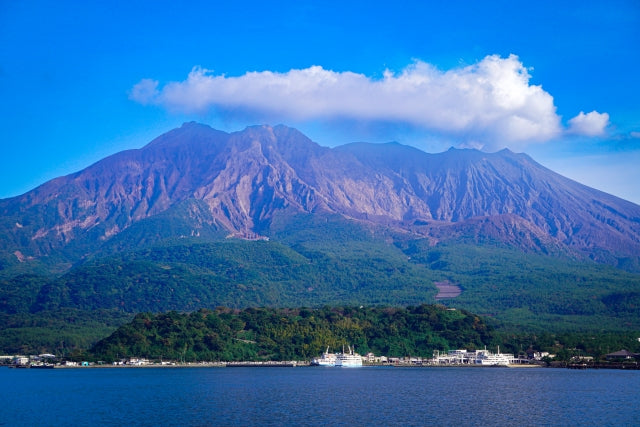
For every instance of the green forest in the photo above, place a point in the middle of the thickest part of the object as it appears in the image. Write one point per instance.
(256, 334)
(315, 262)
(530, 291)
(293, 334)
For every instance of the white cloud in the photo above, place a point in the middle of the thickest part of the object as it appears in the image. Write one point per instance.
(145, 92)
(590, 124)
(490, 103)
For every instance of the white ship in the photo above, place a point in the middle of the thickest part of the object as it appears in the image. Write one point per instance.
(348, 360)
(484, 357)
(327, 359)
(477, 357)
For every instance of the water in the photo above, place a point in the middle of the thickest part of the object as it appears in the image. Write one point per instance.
(318, 397)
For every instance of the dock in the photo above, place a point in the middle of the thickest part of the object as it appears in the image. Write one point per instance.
(267, 364)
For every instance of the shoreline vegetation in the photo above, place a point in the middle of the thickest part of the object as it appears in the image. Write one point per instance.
(273, 337)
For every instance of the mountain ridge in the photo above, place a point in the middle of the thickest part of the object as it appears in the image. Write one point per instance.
(245, 177)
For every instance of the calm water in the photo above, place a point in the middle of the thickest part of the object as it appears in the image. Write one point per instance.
(318, 396)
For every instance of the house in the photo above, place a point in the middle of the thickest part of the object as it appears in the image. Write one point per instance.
(539, 355)
(622, 355)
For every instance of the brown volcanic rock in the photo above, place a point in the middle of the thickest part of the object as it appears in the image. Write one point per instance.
(460, 186)
(245, 177)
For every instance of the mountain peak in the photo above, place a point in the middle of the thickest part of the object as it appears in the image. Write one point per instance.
(189, 131)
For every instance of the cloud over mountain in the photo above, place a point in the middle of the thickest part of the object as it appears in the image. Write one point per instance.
(478, 104)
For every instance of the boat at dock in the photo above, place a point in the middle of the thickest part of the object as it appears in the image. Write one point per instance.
(486, 358)
(477, 358)
(42, 366)
(327, 359)
(351, 359)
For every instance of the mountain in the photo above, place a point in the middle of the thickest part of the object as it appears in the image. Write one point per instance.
(200, 218)
(204, 181)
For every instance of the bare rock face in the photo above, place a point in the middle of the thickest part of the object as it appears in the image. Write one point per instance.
(243, 178)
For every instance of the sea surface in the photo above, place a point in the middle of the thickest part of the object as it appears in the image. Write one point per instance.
(317, 396)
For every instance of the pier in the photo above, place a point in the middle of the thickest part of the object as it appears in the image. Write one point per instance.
(267, 364)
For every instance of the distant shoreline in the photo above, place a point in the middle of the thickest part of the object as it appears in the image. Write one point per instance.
(306, 364)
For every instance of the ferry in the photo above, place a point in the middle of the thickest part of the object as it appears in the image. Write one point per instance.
(486, 358)
(477, 357)
(42, 366)
(327, 359)
(348, 360)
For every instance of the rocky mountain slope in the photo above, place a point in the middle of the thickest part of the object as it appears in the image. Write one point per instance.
(212, 181)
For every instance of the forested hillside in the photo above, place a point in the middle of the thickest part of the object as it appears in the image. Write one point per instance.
(226, 334)
(533, 291)
(294, 334)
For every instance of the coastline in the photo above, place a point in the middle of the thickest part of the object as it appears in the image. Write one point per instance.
(294, 364)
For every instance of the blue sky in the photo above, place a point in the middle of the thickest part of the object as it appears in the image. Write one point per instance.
(557, 80)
